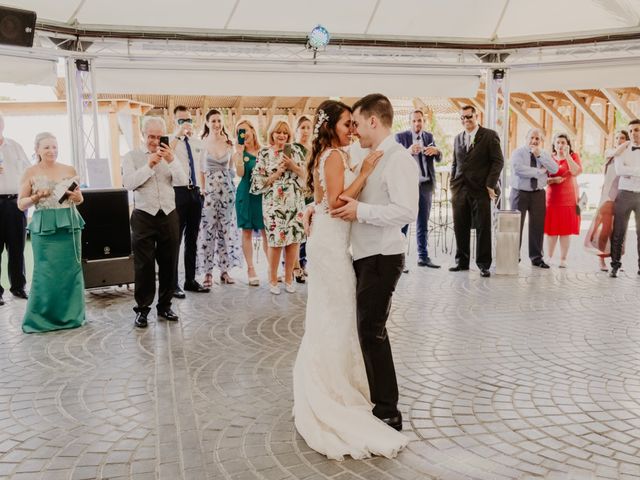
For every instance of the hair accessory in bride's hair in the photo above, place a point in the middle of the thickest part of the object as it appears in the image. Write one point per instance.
(322, 117)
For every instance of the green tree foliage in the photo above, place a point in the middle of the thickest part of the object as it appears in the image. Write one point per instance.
(592, 162)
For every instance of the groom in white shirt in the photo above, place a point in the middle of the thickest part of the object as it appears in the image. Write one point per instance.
(388, 201)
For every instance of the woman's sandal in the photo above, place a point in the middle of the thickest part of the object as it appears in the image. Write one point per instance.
(208, 281)
(226, 279)
(254, 281)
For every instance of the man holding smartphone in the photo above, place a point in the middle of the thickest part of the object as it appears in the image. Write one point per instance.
(150, 173)
(187, 149)
(424, 151)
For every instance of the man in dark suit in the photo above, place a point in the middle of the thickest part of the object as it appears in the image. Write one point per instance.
(187, 149)
(477, 163)
(423, 149)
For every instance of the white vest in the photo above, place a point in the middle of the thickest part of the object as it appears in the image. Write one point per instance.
(367, 239)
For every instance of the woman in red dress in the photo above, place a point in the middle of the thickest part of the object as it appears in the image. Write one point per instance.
(562, 219)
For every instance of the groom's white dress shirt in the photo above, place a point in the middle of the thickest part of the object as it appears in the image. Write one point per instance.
(388, 201)
(627, 166)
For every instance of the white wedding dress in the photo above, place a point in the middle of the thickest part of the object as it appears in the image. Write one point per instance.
(332, 409)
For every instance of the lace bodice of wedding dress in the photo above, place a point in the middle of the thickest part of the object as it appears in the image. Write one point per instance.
(331, 394)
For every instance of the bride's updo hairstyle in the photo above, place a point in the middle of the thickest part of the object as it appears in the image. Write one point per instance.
(324, 131)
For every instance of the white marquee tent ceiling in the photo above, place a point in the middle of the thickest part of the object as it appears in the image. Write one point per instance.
(399, 47)
(471, 21)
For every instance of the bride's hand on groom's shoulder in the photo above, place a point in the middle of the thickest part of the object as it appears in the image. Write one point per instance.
(306, 219)
(370, 161)
(348, 212)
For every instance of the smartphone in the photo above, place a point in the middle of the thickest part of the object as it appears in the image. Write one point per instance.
(71, 188)
(288, 151)
(164, 140)
(241, 133)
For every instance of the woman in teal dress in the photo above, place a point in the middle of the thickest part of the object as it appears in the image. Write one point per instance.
(56, 301)
(248, 205)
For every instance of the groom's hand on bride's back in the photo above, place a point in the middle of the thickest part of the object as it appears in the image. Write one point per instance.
(306, 219)
(348, 212)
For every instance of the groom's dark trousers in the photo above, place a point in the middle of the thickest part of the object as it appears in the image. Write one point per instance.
(377, 277)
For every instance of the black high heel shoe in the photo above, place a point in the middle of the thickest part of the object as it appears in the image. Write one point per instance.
(298, 274)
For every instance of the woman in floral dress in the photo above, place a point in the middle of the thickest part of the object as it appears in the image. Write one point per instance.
(218, 240)
(279, 175)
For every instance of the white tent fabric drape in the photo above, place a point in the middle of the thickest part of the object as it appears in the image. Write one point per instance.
(26, 70)
(257, 80)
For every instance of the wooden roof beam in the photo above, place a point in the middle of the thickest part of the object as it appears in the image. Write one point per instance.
(271, 110)
(581, 105)
(239, 105)
(418, 103)
(522, 112)
(477, 103)
(619, 103)
(554, 112)
(456, 103)
(132, 107)
(305, 106)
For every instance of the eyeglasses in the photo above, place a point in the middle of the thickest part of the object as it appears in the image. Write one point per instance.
(184, 120)
(466, 117)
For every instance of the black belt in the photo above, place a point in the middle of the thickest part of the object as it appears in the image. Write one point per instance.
(8, 196)
(188, 187)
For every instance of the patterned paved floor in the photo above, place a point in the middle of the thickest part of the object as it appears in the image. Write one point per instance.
(534, 376)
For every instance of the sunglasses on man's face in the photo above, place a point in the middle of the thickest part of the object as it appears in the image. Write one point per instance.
(466, 117)
(184, 120)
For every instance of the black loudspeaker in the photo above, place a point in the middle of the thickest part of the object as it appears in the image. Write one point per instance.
(17, 26)
(106, 232)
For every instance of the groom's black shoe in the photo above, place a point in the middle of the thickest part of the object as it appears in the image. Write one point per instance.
(394, 422)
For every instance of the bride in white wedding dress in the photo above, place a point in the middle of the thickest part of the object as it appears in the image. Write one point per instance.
(332, 407)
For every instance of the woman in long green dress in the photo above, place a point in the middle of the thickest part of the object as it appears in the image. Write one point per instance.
(248, 205)
(56, 300)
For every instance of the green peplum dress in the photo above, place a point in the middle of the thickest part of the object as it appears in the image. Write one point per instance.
(56, 300)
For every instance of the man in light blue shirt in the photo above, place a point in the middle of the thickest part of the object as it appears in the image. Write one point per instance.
(530, 166)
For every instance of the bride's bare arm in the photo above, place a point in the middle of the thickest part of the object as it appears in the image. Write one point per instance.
(334, 174)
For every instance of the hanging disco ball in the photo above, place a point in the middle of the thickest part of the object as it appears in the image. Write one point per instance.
(319, 37)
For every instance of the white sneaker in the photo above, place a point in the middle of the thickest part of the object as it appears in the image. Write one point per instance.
(289, 288)
(275, 289)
